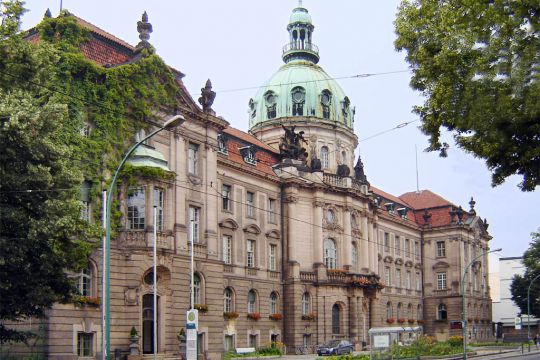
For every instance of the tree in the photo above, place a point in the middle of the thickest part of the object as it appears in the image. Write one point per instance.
(477, 63)
(41, 232)
(520, 283)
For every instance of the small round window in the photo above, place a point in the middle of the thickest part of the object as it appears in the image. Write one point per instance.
(298, 95)
(325, 98)
(149, 278)
(270, 98)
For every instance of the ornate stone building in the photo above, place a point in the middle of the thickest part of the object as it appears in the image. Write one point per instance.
(291, 242)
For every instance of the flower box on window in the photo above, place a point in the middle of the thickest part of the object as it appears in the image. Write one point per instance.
(254, 316)
(410, 321)
(420, 322)
(230, 315)
(390, 320)
(275, 317)
(203, 308)
(401, 321)
(86, 301)
(310, 317)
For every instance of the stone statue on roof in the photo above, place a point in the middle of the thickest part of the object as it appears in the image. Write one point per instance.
(144, 28)
(290, 146)
(207, 97)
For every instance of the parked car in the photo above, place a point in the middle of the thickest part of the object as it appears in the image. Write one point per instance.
(335, 347)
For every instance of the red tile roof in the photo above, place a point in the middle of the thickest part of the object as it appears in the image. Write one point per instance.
(424, 199)
(94, 29)
(387, 196)
(249, 138)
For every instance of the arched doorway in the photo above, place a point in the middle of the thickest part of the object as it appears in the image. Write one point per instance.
(148, 323)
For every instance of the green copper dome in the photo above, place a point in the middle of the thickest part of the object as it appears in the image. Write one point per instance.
(301, 88)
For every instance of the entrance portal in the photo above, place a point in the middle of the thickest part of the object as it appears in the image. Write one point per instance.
(148, 323)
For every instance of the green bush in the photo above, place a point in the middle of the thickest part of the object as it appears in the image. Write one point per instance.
(266, 351)
(456, 340)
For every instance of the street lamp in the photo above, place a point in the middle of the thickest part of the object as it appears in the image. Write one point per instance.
(175, 120)
(529, 308)
(463, 312)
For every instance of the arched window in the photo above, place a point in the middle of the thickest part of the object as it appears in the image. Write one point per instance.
(252, 301)
(326, 99)
(197, 298)
(344, 157)
(270, 101)
(399, 313)
(306, 303)
(228, 300)
(84, 282)
(409, 312)
(354, 257)
(441, 312)
(336, 319)
(298, 100)
(325, 158)
(389, 312)
(273, 303)
(330, 254)
(419, 315)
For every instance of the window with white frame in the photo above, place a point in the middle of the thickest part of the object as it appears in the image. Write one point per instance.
(330, 254)
(272, 260)
(441, 281)
(229, 343)
(250, 253)
(197, 289)
(325, 158)
(136, 207)
(398, 278)
(250, 204)
(253, 341)
(306, 303)
(441, 312)
(85, 344)
(407, 248)
(354, 257)
(419, 315)
(386, 242)
(272, 211)
(417, 250)
(226, 197)
(399, 313)
(228, 301)
(441, 249)
(408, 280)
(252, 301)
(418, 281)
(273, 303)
(159, 203)
(387, 278)
(193, 159)
(389, 311)
(194, 224)
(227, 249)
(397, 245)
(84, 282)
(222, 144)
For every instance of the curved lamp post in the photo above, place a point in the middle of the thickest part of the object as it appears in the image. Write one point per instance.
(175, 120)
(463, 312)
(529, 307)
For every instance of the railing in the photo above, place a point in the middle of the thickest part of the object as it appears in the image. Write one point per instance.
(227, 268)
(336, 276)
(273, 274)
(142, 239)
(334, 180)
(307, 276)
(301, 45)
(199, 250)
(251, 271)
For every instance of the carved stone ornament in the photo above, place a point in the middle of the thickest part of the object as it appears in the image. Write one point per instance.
(290, 146)
(131, 296)
(144, 28)
(343, 170)
(388, 259)
(207, 97)
(318, 203)
(359, 174)
(291, 199)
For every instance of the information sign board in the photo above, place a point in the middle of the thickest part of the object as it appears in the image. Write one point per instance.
(381, 341)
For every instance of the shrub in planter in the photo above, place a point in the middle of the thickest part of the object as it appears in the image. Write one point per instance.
(420, 322)
(275, 317)
(310, 316)
(455, 340)
(203, 308)
(254, 316)
(410, 321)
(401, 321)
(390, 320)
(230, 315)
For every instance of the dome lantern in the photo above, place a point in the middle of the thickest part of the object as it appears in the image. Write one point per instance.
(300, 31)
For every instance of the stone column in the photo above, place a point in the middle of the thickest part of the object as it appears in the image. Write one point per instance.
(292, 225)
(347, 238)
(317, 232)
(365, 252)
(353, 322)
(372, 248)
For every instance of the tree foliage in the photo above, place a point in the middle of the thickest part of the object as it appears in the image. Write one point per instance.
(477, 63)
(520, 283)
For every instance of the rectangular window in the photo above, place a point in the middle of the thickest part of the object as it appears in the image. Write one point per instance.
(84, 282)
(227, 249)
(159, 203)
(229, 342)
(398, 278)
(407, 248)
(408, 280)
(441, 249)
(418, 281)
(193, 159)
(85, 210)
(387, 278)
(272, 211)
(253, 341)
(272, 263)
(417, 250)
(307, 340)
(84, 344)
(250, 204)
(441, 281)
(386, 242)
(397, 244)
(194, 224)
(136, 208)
(226, 197)
(251, 253)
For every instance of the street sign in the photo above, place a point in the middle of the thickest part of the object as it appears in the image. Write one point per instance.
(192, 319)
(381, 341)
(192, 324)
(517, 323)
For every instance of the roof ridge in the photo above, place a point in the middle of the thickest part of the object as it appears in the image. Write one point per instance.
(99, 31)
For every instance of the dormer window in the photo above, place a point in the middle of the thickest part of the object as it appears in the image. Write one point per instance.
(222, 144)
(326, 99)
(346, 103)
(402, 212)
(389, 206)
(248, 154)
(298, 98)
(270, 99)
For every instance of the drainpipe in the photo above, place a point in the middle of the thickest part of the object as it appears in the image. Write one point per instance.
(422, 297)
(283, 266)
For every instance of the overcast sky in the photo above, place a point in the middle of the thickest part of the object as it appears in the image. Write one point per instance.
(237, 44)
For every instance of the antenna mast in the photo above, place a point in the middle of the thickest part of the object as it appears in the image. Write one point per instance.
(416, 158)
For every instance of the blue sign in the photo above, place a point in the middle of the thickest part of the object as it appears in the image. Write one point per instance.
(191, 326)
